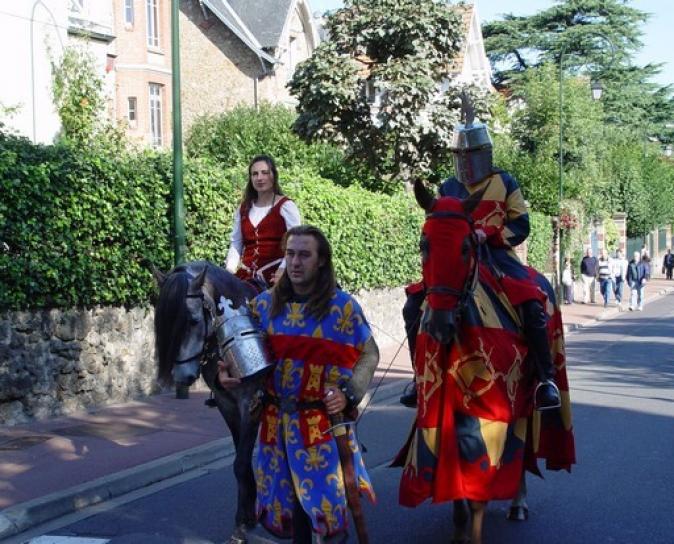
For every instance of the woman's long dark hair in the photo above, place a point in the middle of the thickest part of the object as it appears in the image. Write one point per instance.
(318, 304)
(249, 193)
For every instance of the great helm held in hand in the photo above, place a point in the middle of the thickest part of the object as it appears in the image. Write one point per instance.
(471, 146)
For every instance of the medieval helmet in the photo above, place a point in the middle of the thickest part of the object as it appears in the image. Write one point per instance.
(471, 146)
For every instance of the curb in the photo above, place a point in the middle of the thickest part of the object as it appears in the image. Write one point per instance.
(24, 516)
(30, 514)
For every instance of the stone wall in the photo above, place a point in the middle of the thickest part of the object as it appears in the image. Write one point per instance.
(57, 362)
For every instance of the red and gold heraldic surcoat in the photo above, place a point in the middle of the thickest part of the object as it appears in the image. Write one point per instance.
(298, 458)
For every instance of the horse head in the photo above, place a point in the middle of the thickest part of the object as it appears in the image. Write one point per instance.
(184, 315)
(449, 260)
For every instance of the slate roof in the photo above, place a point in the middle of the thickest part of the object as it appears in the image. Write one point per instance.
(224, 11)
(264, 18)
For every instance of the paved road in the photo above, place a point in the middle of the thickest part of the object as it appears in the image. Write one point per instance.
(622, 491)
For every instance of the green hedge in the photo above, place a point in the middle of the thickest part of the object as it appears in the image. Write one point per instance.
(539, 242)
(75, 223)
(72, 224)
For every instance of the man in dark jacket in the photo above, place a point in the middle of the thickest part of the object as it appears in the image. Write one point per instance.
(588, 271)
(637, 275)
(668, 264)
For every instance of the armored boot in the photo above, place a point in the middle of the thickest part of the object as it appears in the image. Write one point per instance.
(409, 396)
(411, 317)
(546, 395)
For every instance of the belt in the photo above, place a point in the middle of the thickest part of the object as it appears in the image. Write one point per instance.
(291, 406)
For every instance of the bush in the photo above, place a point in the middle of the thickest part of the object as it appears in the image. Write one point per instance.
(73, 223)
(233, 138)
(540, 242)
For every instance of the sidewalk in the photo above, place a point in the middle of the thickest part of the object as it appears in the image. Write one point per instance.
(55, 467)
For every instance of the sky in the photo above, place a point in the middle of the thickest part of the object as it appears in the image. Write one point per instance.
(657, 41)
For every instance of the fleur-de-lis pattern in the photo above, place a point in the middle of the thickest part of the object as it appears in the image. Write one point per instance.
(295, 449)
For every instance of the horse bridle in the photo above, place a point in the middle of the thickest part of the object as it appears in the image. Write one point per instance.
(202, 355)
(469, 287)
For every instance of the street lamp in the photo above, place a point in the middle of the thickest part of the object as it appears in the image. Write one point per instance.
(597, 89)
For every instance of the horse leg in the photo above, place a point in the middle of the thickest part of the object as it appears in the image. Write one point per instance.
(477, 508)
(460, 517)
(244, 512)
(243, 470)
(519, 509)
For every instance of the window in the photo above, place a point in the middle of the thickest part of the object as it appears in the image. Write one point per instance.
(291, 57)
(152, 23)
(155, 114)
(77, 6)
(128, 12)
(132, 109)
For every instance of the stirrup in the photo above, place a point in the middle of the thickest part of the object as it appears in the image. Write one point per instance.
(409, 396)
(552, 406)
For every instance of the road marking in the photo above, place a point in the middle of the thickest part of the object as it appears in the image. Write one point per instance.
(66, 540)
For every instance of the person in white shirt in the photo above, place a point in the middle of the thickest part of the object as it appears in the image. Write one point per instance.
(619, 273)
(264, 216)
(605, 277)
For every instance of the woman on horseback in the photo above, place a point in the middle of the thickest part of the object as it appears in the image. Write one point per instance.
(260, 222)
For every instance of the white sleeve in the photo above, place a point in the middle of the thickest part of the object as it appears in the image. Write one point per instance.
(235, 244)
(291, 215)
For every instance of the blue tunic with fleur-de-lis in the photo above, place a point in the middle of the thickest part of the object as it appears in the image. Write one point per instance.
(297, 459)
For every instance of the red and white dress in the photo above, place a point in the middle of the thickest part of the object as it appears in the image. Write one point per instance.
(255, 246)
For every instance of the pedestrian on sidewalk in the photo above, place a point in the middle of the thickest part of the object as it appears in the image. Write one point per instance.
(605, 276)
(668, 264)
(567, 281)
(309, 463)
(588, 273)
(619, 273)
(636, 279)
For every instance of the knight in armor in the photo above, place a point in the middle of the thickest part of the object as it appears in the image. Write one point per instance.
(501, 223)
(309, 468)
(259, 224)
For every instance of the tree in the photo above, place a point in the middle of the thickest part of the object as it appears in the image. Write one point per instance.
(373, 88)
(533, 153)
(78, 93)
(602, 35)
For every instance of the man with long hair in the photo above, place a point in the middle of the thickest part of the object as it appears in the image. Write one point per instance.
(308, 463)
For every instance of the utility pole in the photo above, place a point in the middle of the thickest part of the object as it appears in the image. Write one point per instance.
(178, 195)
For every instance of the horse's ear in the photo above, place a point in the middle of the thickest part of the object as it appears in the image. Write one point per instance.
(159, 276)
(198, 282)
(470, 203)
(424, 197)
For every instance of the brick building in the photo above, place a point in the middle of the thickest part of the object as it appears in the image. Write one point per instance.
(241, 52)
(143, 69)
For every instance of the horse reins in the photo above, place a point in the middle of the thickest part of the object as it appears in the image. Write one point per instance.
(201, 356)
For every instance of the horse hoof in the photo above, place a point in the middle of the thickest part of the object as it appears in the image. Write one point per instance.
(518, 513)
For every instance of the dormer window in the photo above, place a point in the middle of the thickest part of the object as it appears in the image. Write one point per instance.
(77, 6)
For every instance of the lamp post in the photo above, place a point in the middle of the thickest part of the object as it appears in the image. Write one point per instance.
(597, 90)
(179, 243)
